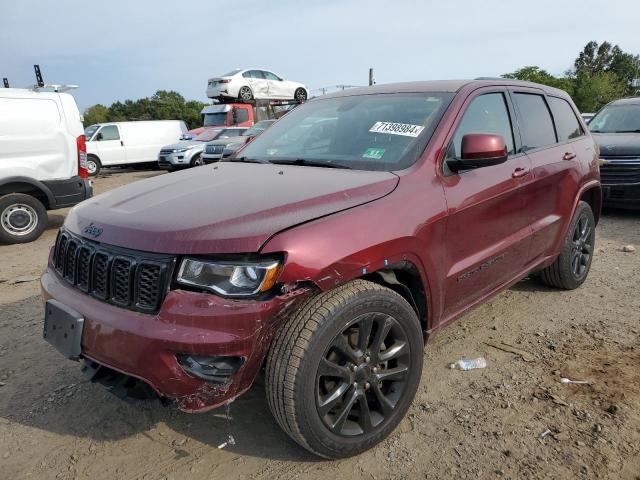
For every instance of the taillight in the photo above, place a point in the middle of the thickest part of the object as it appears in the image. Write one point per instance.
(82, 157)
(224, 81)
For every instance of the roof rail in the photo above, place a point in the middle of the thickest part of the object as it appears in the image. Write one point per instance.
(52, 87)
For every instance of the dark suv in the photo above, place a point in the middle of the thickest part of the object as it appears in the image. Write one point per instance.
(616, 129)
(328, 252)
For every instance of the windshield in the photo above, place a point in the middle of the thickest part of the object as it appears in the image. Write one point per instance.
(258, 128)
(366, 132)
(231, 73)
(617, 119)
(90, 130)
(208, 135)
(212, 119)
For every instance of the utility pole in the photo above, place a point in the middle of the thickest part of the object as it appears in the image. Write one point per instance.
(371, 79)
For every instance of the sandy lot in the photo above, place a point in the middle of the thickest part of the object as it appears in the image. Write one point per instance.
(478, 424)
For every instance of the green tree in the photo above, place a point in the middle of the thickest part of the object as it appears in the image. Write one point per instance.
(592, 91)
(536, 74)
(96, 114)
(162, 105)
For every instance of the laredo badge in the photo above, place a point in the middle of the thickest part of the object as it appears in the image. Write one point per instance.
(92, 230)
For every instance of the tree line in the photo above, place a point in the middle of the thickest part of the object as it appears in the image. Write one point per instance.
(601, 73)
(163, 105)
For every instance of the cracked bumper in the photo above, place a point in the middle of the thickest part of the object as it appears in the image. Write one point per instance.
(145, 346)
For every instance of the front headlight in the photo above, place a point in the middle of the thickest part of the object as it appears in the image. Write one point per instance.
(232, 279)
(182, 150)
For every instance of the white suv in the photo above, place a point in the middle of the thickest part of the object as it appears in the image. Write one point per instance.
(42, 160)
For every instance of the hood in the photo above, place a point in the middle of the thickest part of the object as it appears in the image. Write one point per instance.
(618, 144)
(224, 208)
(228, 140)
(184, 144)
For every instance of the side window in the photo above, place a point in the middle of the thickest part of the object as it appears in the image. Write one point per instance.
(487, 113)
(567, 124)
(257, 74)
(242, 115)
(535, 121)
(270, 76)
(110, 132)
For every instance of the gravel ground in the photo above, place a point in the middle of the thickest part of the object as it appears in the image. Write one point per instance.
(513, 419)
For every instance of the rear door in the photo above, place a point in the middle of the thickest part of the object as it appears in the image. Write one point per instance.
(258, 83)
(550, 132)
(488, 231)
(110, 145)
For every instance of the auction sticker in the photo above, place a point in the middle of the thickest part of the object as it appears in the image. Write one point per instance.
(404, 129)
(375, 153)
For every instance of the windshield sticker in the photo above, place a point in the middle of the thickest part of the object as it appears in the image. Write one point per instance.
(403, 129)
(375, 153)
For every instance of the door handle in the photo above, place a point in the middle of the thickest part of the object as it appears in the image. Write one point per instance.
(121, 143)
(520, 172)
(569, 156)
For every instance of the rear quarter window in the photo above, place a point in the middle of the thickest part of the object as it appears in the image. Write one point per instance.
(535, 121)
(567, 124)
(20, 116)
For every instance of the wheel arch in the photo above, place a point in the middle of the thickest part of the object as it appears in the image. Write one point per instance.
(593, 196)
(28, 186)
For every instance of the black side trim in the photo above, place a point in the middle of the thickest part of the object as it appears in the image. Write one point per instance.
(69, 192)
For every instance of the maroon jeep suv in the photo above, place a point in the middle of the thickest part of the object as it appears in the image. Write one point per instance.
(328, 251)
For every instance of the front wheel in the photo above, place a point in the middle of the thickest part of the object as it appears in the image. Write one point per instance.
(300, 95)
(23, 218)
(572, 266)
(197, 161)
(343, 370)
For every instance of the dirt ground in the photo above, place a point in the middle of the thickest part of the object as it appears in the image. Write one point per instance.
(488, 423)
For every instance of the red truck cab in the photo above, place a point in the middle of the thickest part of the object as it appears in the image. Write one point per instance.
(329, 251)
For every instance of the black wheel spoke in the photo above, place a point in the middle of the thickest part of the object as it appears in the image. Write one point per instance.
(385, 403)
(342, 345)
(344, 411)
(330, 401)
(380, 336)
(396, 373)
(364, 333)
(328, 368)
(394, 351)
(364, 414)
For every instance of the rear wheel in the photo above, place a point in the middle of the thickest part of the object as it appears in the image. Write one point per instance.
(93, 165)
(572, 266)
(245, 94)
(23, 218)
(343, 371)
(300, 95)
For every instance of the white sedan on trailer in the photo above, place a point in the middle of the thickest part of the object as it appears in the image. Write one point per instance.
(248, 85)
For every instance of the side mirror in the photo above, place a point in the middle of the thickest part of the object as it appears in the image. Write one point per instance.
(187, 136)
(99, 137)
(480, 150)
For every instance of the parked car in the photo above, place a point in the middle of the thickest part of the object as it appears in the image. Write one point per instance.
(247, 85)
(42, 160)
(128, 143)
(616, 129)
(188, 153)
(328, 260)
(215, 150)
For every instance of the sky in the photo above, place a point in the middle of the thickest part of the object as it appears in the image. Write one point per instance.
(118, 50)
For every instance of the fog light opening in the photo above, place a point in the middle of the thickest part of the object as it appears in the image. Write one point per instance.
(215, 369)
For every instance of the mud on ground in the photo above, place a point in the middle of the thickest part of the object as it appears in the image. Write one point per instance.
(478, 424)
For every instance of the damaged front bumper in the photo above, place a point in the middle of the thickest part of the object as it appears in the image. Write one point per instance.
(199, 351)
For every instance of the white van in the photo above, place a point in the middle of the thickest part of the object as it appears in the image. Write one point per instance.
(122, 143)
(42, 160)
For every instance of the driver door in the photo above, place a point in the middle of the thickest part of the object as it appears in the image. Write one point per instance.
(110, 145)
(487, 230)
(259, 85)
(277, 86)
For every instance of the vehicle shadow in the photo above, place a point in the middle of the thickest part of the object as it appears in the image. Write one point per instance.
(47, 392)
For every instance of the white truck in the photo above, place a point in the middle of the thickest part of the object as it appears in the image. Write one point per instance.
(125, 143)
(42, 159)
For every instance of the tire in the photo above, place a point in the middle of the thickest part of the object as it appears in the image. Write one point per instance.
(571, 268)
(299, 393)
(300, 95)
(245, 94)
(23, 218)
(196, 161)
(93, 165)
